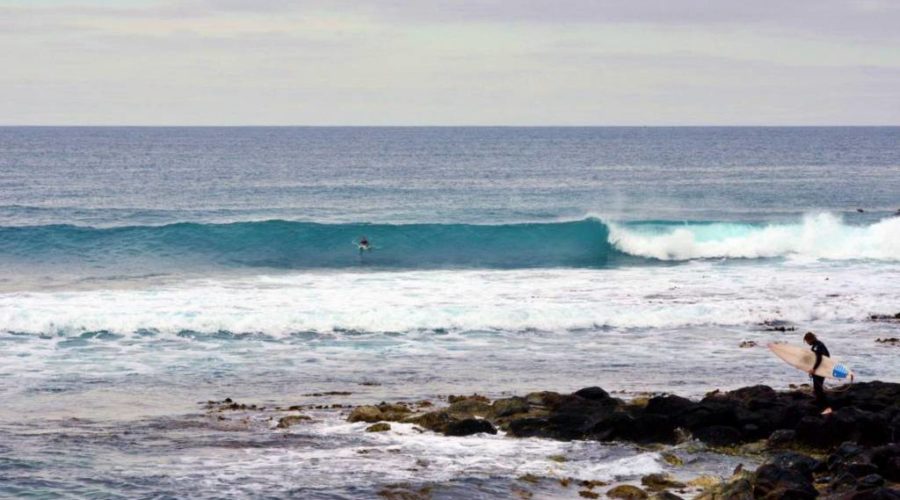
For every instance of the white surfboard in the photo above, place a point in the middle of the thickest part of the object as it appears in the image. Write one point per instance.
(803, 359)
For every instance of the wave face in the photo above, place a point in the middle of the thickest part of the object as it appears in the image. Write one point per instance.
(587, 243)
(299, 245)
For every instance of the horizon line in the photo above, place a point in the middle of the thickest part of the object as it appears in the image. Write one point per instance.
(437, 126)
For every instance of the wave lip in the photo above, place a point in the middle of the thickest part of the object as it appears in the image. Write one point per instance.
(817, 237)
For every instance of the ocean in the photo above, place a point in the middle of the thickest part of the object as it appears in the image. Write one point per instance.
(146, 271)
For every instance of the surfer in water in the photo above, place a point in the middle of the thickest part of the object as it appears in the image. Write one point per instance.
(818, 382)
(363, 244)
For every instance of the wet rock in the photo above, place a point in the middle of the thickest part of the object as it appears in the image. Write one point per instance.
(887, 459)
(393, 412)
(508, 407)
(474, 397)
(469, 426)
(648, 428)
(405, 491)
(588, 494)
(870, 481)
(877, 494)
(379, 427)
(527, 427)
(627, 492)
(591, 484)
(860, 469)
(288, 421)
(739, 487)
(668, 405)
(664, 495)
(718, 435)
(384, 411)
(436, 421)
(779, 482)
(842, 483)
(659, 482)
(888, 340)
(593, 394)
(781, 438)
(747, 344)
(469, 407)
(885, 317)
(365, 413)
(803, 464)
(671, 459)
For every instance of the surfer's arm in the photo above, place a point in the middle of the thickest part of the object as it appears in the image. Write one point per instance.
(818, 352)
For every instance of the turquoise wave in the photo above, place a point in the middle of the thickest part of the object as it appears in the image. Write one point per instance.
(586, 243)
(299, 245)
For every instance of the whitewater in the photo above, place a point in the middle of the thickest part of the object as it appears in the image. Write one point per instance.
(145, 271)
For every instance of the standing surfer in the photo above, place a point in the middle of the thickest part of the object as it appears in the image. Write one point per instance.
(819, 348)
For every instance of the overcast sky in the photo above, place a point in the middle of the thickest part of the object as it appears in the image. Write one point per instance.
(468, 62)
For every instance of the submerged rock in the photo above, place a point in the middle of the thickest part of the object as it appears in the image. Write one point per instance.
(384, 411)
(379, 427)
(658, 482)
(627, 492)
(285, 422)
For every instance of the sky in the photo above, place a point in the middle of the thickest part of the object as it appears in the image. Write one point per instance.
(466, 62)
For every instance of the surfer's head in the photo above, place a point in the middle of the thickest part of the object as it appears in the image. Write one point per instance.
(809, 338)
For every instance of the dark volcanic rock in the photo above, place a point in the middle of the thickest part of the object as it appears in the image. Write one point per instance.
(668, 405)
(718, 435)
(773, 481)
(867, 413)
(469, 426)
(509, 407)
(796, 461)
(593, 394)
(887, 459)
(860, 434)
(781, 438)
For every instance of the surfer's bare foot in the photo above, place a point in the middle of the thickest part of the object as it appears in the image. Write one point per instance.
(826, 411)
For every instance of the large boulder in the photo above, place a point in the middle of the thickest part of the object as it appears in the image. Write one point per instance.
(509, 407)
(469, 426)
(718, 435)
(669, 405)
(773, 481)
(887, 459)
(366, 413)
(798, 462)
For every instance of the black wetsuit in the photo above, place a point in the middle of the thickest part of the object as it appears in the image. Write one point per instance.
(819, 348)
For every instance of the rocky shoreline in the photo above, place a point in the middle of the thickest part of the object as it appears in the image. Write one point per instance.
(853, 453)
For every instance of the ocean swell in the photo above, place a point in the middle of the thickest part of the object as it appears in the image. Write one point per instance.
(586, 243)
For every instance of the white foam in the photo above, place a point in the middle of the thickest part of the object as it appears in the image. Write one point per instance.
(697, 293)
(821, 236)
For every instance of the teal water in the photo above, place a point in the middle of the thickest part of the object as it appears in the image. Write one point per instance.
(145, 271)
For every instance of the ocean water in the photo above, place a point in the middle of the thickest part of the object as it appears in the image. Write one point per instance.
(145, 271)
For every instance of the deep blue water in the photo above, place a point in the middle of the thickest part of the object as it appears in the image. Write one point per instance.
(136, 176)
